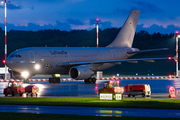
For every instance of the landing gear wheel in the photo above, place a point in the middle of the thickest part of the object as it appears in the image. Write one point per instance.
(94, 80)
(26, 80)
(129, 95)
(90, 80)
(50, 80)
(143, 95)
(58, 80)
(85, 81)
(133, 95)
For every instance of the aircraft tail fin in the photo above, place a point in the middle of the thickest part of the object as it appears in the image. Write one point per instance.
(126, 35)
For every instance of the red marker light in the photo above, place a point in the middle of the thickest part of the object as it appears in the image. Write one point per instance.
(169, 58)
(176, 60)
(177, 33)
(4, 61)
(97, 19)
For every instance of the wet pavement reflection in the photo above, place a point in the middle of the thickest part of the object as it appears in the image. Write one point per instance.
(159, 88)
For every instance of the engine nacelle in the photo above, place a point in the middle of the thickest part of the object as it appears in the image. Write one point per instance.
(80, 72)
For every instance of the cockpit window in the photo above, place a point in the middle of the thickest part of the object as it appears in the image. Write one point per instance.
(17, 55)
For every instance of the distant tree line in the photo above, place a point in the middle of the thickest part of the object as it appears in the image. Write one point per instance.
(17, 39)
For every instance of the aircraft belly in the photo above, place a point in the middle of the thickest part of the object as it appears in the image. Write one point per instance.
(106, 66)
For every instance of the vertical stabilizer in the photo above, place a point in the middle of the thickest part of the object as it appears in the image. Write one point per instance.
(126, 35)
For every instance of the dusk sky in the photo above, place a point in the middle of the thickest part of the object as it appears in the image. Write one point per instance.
(156, 15)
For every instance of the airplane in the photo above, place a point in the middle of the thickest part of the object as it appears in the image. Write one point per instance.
(80, 62)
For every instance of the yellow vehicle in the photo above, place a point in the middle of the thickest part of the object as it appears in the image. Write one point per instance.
(111, 91)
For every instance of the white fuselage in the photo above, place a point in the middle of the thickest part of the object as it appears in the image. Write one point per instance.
(50, 58)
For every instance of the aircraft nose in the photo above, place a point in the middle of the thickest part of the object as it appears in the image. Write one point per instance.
(8, 61)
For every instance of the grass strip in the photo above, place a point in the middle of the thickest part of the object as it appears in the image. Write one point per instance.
(29, 116)
(95, 102)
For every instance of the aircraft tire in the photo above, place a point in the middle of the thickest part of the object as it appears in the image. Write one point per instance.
(94, 80)
(58, 80)
(129, 95)
(50, 80)
(90, 80)
(85, 81)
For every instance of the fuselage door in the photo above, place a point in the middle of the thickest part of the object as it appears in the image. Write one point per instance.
(32, 56)
(113, 54)
(69, 57)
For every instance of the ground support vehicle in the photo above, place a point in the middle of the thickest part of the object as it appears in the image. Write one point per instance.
(14, 87)
(31, 89)
(140, 89)
(111, 91)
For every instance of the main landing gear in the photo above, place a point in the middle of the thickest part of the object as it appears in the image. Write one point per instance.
(90, 80)
(54, 79)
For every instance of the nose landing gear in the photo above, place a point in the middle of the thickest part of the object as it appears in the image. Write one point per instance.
(26, 80)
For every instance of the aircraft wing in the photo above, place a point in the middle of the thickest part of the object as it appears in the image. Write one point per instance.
(109, 61)
(143, 51)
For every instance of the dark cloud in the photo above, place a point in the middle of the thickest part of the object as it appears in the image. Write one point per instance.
(157, 28)
(145, 7)
(11, 6)
(105, 25)
(74, 22)
(35, 27)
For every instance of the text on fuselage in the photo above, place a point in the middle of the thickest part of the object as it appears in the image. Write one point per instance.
(58, 52)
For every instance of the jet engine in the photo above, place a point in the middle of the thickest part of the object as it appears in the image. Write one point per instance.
(80, 72)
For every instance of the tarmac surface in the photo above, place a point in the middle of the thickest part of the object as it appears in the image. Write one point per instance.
(159, 87)
(159, 90)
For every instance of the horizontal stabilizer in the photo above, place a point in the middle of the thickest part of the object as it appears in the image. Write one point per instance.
(143, 51)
